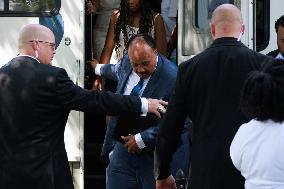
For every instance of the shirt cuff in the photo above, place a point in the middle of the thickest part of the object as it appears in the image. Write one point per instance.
(139, 141)
(144, 106)
(98, 69)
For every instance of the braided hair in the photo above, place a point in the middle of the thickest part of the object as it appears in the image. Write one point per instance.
(145, 23)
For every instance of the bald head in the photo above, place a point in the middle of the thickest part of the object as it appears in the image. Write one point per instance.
(38, 41)
(226, 21)
(34, 32)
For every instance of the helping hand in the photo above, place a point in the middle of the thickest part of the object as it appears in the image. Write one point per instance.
(156, 106)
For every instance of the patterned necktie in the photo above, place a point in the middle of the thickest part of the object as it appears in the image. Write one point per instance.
(137, 88)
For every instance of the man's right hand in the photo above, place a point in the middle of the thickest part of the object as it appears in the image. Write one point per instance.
(156, 106)
(93, 63)
(98, 83)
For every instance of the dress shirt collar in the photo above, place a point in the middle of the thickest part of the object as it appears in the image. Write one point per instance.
(28, 56)
(279, 56)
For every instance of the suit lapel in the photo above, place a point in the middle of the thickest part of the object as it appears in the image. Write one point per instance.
(153, 82)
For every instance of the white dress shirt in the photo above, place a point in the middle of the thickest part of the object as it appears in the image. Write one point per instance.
(279, 56)
(131, 82)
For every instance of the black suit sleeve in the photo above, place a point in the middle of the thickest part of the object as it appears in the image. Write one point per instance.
(170, 130)
(73, 97)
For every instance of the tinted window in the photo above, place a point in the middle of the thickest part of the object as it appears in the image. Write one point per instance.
(1, 5)
(204, 10)
(29, 7)
(262, 24)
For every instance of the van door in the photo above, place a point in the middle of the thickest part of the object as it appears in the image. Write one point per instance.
(65, 19)
(266, 13)
(193, 25)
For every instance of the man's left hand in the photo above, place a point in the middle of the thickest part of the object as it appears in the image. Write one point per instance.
(167, 183)
(130, 144)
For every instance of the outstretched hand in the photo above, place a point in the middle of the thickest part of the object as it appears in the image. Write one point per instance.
(157, 106)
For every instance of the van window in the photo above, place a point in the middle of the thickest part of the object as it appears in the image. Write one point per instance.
(29, 7)
(262, 24)
(204, 10)
(1, 5)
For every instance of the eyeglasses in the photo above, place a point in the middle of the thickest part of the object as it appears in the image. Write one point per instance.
(52, 45)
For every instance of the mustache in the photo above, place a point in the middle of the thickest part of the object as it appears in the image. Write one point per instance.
(142, 73)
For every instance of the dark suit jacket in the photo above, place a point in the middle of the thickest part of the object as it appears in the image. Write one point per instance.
(273, 53)
(35, 102)
(208, 91)
(160, 86)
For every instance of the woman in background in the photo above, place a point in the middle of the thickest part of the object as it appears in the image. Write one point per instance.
(133, 17)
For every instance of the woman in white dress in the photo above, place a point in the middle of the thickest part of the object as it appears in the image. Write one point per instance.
(257, 150)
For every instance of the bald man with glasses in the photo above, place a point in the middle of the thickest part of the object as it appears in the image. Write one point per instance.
(35, 101)
(35, 44)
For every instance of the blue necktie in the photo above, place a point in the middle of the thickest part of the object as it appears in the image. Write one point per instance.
(137, 88)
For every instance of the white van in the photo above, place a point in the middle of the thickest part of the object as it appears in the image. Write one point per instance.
(73, 37)
(66, 19)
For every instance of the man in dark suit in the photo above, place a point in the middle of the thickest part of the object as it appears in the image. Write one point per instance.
(279, 28)
(208, 90)
(36, 99)
(131, 162)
